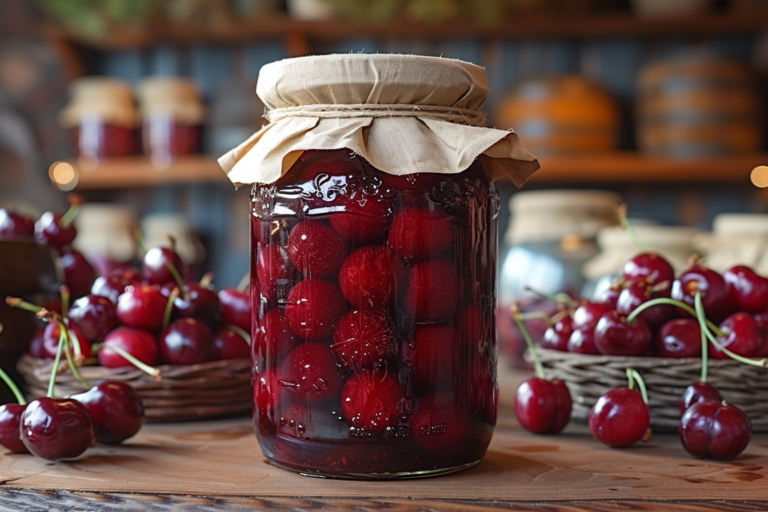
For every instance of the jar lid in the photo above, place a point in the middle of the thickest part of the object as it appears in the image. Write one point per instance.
(106, 98)
(178, 98)
(550, 200)
(404, 114)
(740, 224)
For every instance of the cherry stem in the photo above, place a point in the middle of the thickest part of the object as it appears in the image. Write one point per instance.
(70, 359)
(16, 302)
(672, 302)
(621, 211)
(140, 240)
(150, 370)
(244, 283)
(534, 315)
(702, 327)
(206, 280)
(172, 241)
(762, 363)
(176, 274)
(76, 346)
(69, 217)
(65, 295)
(634, 376)
(56, 362)
(241, 332)
(562, 298)
(169, 307)
(537, 366)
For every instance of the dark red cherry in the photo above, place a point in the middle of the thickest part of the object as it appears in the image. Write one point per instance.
(363, 338)
(420, 233)
(364, 220)
(56, 428)
(154, 268)
(369, 276)
(186, 341)
(111, 287)
(649, 267)
(15, 225)
(543, 406)
(620, 418)
(140, 344)
(274, 336)
(637, 293)
(314, 308)
(10, 419)
(582, 342)
(315, 249)
(372, 400)
(741, 335)
(557, 335)
(228, 344)
(197, 301)
(128, 272)
(615, 336)
(747, 290)
(116, 409)
(678, 338)
(715, 430)
(310, 373)
(37, 345)
(236, 307)
(586, 316)
(51, 340)
(142, 307)
(79, 274)
(761, 319)
(94, 315)
(696, 393)
(48, 230)
(610, 295)
(714, 294)
(274, 270)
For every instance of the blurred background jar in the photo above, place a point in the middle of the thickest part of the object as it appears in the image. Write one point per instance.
(102, 119)
(155, 229)
(173, 115)
(106, 235)
(562, 115)
(551, 235)
(675, 243)
(736, 239)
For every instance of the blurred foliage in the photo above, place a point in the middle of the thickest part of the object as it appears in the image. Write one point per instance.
(430, 11)
(94, 18)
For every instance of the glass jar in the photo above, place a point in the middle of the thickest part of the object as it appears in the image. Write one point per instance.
(374, 347)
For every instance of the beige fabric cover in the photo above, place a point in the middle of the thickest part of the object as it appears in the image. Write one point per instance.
(393, 86)
(105, 98)
(177, 98)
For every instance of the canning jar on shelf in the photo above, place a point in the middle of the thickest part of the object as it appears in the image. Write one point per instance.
(374, 239)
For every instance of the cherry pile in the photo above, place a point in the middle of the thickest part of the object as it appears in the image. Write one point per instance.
(371, 351)
(64, 428)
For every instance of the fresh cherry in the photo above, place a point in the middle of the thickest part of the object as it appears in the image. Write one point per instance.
(747, 290)
(715, 430)
(615, 336)
(274, 336)
(363, 338)
(315, 249)
(741, 335)
(314, 308)
(714, 294)
(154, 267)
(420, 233)
(186, 341)
(310, 371)
(142, 307)
(94, 315)
(236, 307)
(10, 419)
(678, 338)
(273, 269)
(433, 290)
(761, 319)
(637, 293)
(15, 225)
(111, 286)
(48, 230)
(557, 335)
(649, 267)
(696, 393)
(37, 345)
(199, 302)
(372, 400)
(586, 316)
(79, 274)
(543, 406)
(369, 276)
(228, 344)
(620, 417)
(51, 340)
(116, 409)
(140, 344)
(56, 428)
(582, 342)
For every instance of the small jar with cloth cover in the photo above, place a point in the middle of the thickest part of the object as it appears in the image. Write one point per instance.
(374, 238)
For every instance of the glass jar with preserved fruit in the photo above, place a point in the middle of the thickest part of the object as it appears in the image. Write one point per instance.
(373, 266)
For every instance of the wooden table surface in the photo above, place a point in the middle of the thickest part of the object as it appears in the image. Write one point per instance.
(218, 464)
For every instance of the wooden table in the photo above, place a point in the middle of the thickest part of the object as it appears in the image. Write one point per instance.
(217, 464)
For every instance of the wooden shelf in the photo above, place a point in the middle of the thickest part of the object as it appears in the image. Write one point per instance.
(615, 167)
(522, 26)
(140, 172)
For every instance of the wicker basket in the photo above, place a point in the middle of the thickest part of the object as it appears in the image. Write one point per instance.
(185, 393)
(589, 377)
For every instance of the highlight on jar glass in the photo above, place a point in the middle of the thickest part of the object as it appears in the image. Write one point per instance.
(373, 269)
(173, 115)
(102, 119)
